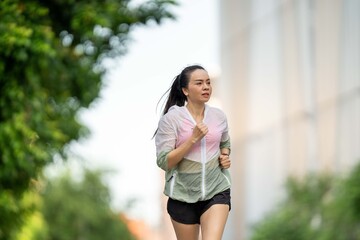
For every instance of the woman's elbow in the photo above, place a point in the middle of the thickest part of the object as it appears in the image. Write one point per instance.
(166, 166)
(170, 166)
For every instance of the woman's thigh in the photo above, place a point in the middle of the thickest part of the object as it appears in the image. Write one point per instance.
(213, 221)
(186, 231)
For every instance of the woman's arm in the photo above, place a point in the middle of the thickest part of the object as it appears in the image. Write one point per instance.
(176, 155)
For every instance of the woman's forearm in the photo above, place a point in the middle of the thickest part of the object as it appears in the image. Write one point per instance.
(176, 155)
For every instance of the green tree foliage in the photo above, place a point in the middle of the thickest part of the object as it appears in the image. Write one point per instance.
(317, 208)
(51, 55)
(80, 209)
(34, 227)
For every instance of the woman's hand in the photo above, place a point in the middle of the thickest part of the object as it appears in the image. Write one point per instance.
(199, 131)
(224, 161)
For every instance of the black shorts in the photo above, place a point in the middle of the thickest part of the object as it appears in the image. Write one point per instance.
(190, 213)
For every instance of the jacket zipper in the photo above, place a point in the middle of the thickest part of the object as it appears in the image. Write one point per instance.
(203, 163)
(203, 154)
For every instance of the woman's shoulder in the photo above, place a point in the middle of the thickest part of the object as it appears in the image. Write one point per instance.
(216, 111)
(173, 112)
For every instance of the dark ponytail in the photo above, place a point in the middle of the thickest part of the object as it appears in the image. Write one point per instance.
(176, 95)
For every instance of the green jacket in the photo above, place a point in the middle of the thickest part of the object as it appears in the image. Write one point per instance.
(197, 176)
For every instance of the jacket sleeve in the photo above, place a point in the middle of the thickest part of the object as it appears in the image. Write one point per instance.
(225, 138)
(165, 140)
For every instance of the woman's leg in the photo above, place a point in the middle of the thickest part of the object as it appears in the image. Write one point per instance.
(186, 231)
(213, 221)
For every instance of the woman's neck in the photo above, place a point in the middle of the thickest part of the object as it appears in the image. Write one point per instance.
(196, 110)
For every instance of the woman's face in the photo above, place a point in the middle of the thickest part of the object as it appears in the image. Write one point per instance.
(199, 88)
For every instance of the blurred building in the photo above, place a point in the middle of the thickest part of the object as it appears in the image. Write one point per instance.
(290, 85)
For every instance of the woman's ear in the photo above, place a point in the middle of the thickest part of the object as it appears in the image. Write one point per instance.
(185, 91)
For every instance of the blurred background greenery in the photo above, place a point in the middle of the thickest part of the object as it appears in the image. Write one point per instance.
(52, 55)
(71, 207)
(319, 207)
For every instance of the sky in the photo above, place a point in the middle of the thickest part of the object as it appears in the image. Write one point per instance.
(124, 118)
